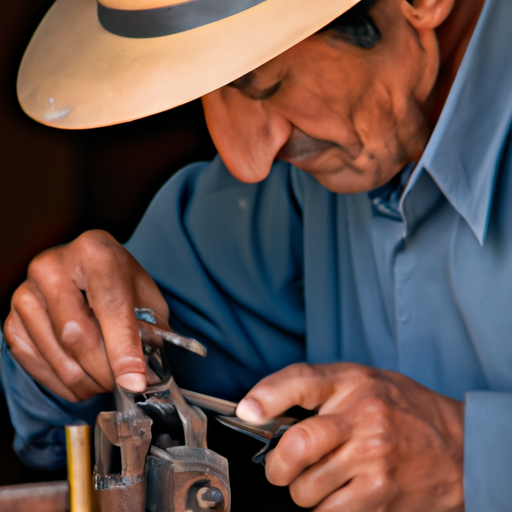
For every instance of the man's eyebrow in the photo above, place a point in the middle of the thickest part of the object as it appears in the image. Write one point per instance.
(246, 85)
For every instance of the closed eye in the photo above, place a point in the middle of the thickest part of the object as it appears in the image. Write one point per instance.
(246, 84)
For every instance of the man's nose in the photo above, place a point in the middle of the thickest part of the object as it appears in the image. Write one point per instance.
(247, 133)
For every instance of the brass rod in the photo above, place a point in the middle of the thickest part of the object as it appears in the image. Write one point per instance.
(79, 468)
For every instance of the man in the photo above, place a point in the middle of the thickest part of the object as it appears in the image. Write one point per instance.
(389, 250)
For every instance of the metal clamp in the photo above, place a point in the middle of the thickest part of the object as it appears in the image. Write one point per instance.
(165, 465)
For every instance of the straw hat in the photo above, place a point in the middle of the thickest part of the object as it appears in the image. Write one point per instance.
(92, 64)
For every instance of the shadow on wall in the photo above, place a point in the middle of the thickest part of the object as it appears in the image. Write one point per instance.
(55, 184)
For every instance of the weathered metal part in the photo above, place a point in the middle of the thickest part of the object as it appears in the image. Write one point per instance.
(115, 493)
(186, 479)
(269, 433)
(133, 434)
(183, 478)
(274, 428)
(40, 497)
(146, 315)
(166, 419)
(210, 403)
(130, 429)
(154, 336)
(209, 497)
(192, 418)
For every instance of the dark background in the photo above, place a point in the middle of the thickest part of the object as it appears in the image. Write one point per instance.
(54, 184)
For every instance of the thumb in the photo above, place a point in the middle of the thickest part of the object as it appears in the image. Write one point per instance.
(299, 384)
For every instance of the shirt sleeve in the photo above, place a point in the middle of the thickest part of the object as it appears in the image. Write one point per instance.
(228, 257)
(488, 451)
(39, 417)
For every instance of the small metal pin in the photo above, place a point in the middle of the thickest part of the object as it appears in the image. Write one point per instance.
(209, 497)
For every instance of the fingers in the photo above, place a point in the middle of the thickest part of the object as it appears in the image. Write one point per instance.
(111, 279)
(330, 387)
(320, 456)
(304, 445)
(367, 492)
(302, 384)
(33, 344)
(29, 357)
(59, 320)
(326, 454)
(376, 433)
(72, 324)
(337, 468)
(298, 384)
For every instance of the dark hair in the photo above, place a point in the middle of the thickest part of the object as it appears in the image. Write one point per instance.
(356, 26)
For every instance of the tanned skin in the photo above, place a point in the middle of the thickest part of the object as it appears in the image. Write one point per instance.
(352, 118)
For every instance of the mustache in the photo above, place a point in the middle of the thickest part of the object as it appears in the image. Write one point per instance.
(300, 146)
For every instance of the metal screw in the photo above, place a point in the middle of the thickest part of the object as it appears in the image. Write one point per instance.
(209, 497)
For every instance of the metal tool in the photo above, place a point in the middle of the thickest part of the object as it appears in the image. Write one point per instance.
(165, 463)
(268, 433)
(210, 403)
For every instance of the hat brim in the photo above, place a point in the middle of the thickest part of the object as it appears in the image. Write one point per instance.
(76, 75)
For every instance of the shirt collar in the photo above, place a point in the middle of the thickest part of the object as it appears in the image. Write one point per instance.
(463, 153)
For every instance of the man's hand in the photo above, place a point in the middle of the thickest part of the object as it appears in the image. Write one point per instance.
(72, 325)
(380, 442)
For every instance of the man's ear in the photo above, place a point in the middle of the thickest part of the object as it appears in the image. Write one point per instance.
(426, 14)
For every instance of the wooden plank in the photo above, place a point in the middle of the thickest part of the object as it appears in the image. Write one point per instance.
(38, 497)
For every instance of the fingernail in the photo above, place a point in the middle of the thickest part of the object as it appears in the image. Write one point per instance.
(250, 410)
(134, 382)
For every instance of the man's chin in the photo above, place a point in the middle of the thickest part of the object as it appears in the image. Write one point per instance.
(347, 180)
(350, 179)
(342, 186)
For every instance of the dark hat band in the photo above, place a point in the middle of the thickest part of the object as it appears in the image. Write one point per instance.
(164, 21)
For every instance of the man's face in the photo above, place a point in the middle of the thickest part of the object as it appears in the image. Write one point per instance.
(351, 117)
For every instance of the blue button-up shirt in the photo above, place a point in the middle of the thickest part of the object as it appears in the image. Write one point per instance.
(416, 279)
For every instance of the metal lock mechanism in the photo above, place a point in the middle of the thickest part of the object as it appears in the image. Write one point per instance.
(160, 439)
